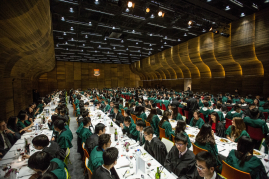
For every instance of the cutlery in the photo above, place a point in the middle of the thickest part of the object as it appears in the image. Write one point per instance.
(222, 150)
(130, 175)
(149, 176)
(125, 173)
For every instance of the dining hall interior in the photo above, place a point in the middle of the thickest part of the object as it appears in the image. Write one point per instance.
(128, 89)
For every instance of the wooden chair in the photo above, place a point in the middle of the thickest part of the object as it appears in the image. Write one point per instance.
(265, 115)
(86, 154)
(162, 133)
(197, 150)
(228, 123)
(89, 170)
(122, 112)
(137, 119)
(147, 124)
(134, 118)
(202, 116)
(232, 173)
(173, 138)
(67, 158)
(255, 133)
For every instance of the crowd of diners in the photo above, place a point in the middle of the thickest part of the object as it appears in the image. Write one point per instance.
(120, 104)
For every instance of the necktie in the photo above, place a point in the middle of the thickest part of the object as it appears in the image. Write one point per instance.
(7, 140)
(179, 155)
(141, 137)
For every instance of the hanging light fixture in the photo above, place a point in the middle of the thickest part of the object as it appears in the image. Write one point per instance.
(160, 13)
(86, 36)
(152, 16)
(130, 4)
(71, 10)
(147, 10)
(71, 28)
(62, 19)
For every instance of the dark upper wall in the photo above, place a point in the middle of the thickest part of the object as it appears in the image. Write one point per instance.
(215, 63)
(67, 75)
(26, 51)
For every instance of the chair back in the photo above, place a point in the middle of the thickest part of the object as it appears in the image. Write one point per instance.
(265, 115)
(162, 133)
(262, 148)
(163, 107)
(255, 133)
(186, 114)
(137, 119)
(197, 150)
(180, 111)
(86, 154)
(134, 118)
(168, 144)
(158, 105)
(89, 170)
(202, 116)
(122, 112)
(147, 124)
(173, 138)
(229, 108)
(67, 153)
(228, 123)
(67, 174)
(232, 173)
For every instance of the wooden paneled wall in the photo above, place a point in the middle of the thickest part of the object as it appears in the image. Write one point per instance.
(67, 75)
(26, 51)
(213, 62)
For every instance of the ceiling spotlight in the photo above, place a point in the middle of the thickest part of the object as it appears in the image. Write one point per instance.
(64, 33)
(227, 8)
(178, 40)
(72, 39)
(83, 45)
(127, 49)
(66, 48)
(71, 10)
(62, 19)
(133, 31)
(66, 42)
(90, 23)
(130, 4)
(114, 48)
(107, 51)
(86, 36)
(208, 0)
(190, 23)
(161, 46)
(119, 53)
(165, 43)
(147, 10)
(105, 39)
(152, 16)
(81, 50)
(127, 10)
(99, 46)
(71, 28)
(57, 45)
(96, 2)
(150, 45)
(113, 27)
(266, 1)
(204, 30)
(211, 29)
(122, 41)
(138, 50)
(136, 43)
(165, 37)
(160, 13)
(242, 14)
(185, 34)
(150, 34)
(140, 55)
(95, 51)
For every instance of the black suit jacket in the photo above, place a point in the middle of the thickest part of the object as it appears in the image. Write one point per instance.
(247, 113)
(192, 104)
(91, 142)
(11, 140)
(119, 118)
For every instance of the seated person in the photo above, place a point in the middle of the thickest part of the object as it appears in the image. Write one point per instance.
(6, 138)
(63, 138)
(181, 127)
(140, 125)
(165, 124)
(236, 130)
(205, 111)
(241, 102)
(249, 99)
(96, 156)
(265, 107)
(63, 115)
(110, 157)
(110, 112)
(84, 114)
(129, 128)
(217, 126)
(127, 113)
(118, 118)
(153, 105)
(42, 163)
(154, 120)
(248, 113)
(154, 146)
(243, 159)
(41, 142)
(219, 111)
(236, 99)
(22, 124)
(235, 113)
(206, 165)
(196, 121)
(141, 113)
(205, 140)
(92, 141)
(12, 129)
(180, 160)
(83, 133)
(175, 114)
(147, 105)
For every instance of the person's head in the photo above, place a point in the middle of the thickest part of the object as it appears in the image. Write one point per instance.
(39, 161)
(116, 109)
(85, 114)
(22, 115)
(206, 104)
(86, 121)
(111, 104)
(127, 112)
(205, 135)
(252, 106)
(181, 141)
(205, 164)
(214, 117)
(245, 146)
(167, 114)
(196, 114)
(12, 121)
(58, 125)
(140, 125)
(127, 121)
(40, 142)
(181, 126)
(153, 112)
(100, 129)
(110, 156)
(237, 108)
(254, 113)
(148, 133)
(29, 110)
(175, 112)
(3, 125)
(104, 141)
(256, 102)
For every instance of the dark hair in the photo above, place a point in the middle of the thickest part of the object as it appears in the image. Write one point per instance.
(59, 124)
(98, 127)
(198, 114)
(205, 136)
(128, 111)
(206, 104)
(208, 158)
(11, 123)
(254, 113)
(110, 155)
(175, 112)
(236, 107)
(165, 118)
(127, 119)
(181, 137)
(217, 118)
(153, 112)
(219, 106)
(181, 126)
(22, 115)
(103, 139)
(149, 130)
(141, 123)
(140, 109)
(240, 126)
(39, 160)
(266, 105)
(86, 120)
(244, 146)
(85, 114)
(49, 175)
(41, 140)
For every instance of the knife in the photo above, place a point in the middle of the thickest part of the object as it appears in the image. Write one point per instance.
(125, 173)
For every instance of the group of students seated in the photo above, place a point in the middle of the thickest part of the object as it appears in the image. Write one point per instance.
(213, 109)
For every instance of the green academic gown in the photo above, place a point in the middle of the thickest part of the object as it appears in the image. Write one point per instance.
(253, 166)
(236, 100)
(60, 171)
(263, 110)
(257, 123)
(131, 129)
(261, 103)
(199, 123)
(155, 124)
(179, 117)
(120, 107)
(96, 158)
(166, 102)
(224, 100)
(229, 132)
(20, 125)
(41, 107)
(205, 112)
(232, 114)
(265, 147)
(250, 101)
(168, 129)
(107, 108)
(83, 133)
(64, 140)
(143, 116)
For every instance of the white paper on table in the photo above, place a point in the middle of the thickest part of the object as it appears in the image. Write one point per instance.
(25, 171)
(122, 162)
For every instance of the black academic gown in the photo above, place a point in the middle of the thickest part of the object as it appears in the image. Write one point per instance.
(55, 151)
(156, 149)
(91, 142)
(183, 166)
(247, 113)
(119, 118)
(101, 173)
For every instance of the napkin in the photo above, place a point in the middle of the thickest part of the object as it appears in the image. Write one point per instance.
(122, 162)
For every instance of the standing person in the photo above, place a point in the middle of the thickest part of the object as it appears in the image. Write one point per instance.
(192, 106)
